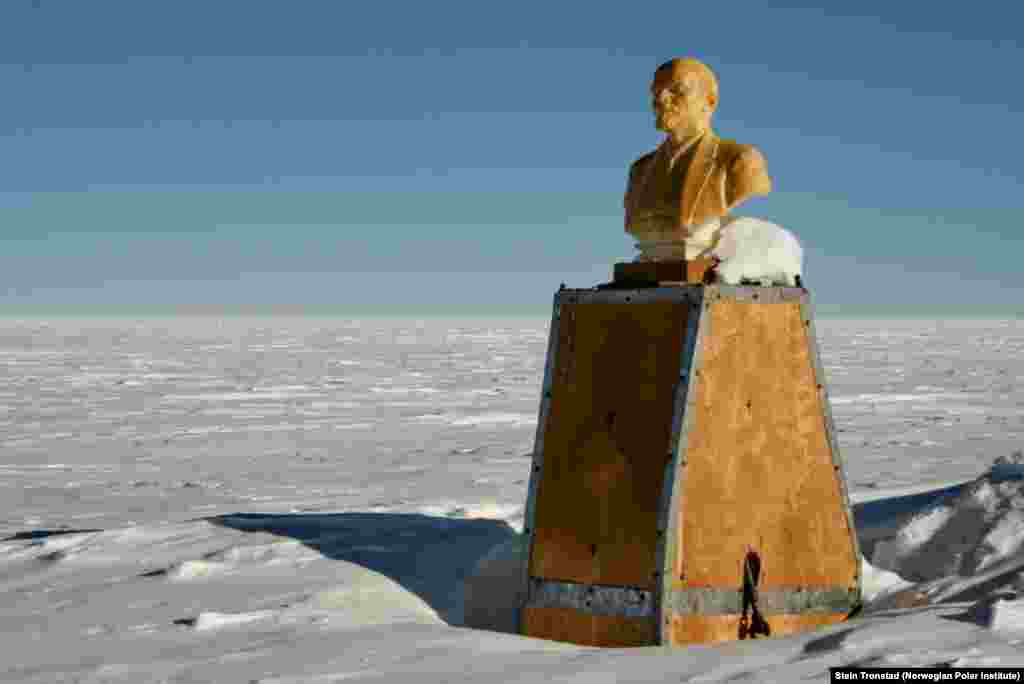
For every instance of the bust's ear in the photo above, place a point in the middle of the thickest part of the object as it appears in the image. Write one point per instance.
(712, 101)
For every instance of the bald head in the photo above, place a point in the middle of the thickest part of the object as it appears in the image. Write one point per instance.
(690, 71)
(684, 95)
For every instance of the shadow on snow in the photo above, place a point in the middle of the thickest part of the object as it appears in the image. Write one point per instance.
(428, 556)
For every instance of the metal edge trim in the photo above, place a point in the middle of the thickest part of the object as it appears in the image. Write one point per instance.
(681, 292)
(839, 467)
(639, 603)
(675, 471)
(790, 601)
(592, 599)
(762, 295)
(537, 464)
(643, 295)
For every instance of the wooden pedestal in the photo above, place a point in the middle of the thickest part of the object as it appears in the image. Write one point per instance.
(681, 430)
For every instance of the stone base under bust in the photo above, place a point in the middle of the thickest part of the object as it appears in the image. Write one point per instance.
(670, 243)
(653, 273)
(745, 249)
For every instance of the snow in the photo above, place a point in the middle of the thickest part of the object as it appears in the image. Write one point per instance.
(755, 250)
(979, 528)
(327, 500)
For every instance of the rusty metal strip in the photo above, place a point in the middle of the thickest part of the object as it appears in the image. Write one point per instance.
(718, 601)
(675, 470)
(536, 468)
(686, 292)
(594, 599)
(807, 316)
(645, 295)
(751, 294)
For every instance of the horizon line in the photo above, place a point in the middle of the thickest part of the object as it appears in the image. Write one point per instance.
(863, 311)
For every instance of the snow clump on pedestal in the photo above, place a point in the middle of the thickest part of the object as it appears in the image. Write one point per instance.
(757, 251)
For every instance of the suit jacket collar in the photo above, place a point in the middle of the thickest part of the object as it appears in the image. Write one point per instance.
(697, 176)
(667, 149)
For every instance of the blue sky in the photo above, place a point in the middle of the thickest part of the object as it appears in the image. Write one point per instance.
(412, 157)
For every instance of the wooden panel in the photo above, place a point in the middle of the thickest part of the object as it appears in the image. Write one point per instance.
(759, 465)
(701, 629)
(565, 624)
(606, 442)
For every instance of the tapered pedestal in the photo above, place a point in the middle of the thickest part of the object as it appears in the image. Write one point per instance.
(685, 438)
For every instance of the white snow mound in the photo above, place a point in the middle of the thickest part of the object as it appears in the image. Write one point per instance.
(978, 530)
(757, 250)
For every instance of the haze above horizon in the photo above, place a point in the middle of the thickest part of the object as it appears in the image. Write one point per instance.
(314, 156)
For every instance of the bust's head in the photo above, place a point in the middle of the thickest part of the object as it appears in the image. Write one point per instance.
(684, 95)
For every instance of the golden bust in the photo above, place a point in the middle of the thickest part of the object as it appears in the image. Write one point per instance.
(678, 194)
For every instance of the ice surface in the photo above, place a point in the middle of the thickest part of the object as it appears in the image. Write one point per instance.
(320, 500)
(207, 621)
(1008, 614)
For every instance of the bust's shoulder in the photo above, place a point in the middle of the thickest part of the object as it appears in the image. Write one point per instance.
(734, 153)
(639, 167)
(643, 160)
(746, 171)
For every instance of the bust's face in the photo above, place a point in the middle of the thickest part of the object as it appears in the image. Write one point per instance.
(679, 105)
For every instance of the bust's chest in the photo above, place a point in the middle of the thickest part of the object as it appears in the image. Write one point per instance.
(690, 190)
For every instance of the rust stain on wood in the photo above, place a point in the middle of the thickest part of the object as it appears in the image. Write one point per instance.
(606, 442)
(760, 470)
(572, 626)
